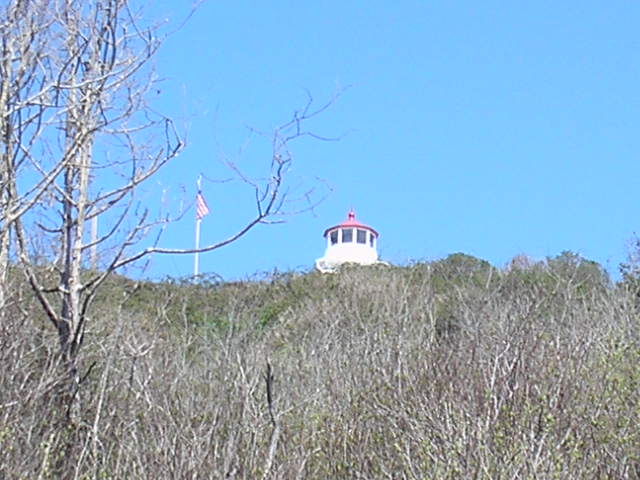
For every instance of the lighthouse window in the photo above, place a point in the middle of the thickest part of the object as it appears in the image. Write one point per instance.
(347, 235)
(371, 237)
(334, 237)
(362, 236)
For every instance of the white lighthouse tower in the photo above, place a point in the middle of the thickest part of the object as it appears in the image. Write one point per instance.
(349, 242)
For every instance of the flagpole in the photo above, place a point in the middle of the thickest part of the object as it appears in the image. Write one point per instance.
(198, 220)
(197, 254)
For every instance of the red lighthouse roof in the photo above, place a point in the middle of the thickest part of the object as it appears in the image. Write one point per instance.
(353, 223)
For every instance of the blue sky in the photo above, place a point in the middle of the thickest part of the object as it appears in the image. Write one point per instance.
(493, 128)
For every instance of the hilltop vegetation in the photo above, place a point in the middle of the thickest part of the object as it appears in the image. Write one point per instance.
(447, 369)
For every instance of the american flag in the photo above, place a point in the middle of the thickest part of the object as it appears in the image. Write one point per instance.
(202, 210)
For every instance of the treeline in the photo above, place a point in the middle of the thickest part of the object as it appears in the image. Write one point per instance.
(444, 369)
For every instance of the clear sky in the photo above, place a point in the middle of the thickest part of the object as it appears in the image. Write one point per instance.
(493, 128)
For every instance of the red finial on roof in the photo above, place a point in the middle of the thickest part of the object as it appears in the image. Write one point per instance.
(352, 215)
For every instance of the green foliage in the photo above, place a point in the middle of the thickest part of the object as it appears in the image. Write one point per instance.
(463, 270)
(584, 274)
(460, 282)
(555, 279)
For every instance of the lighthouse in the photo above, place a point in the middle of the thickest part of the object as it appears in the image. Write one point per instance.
(349, 242)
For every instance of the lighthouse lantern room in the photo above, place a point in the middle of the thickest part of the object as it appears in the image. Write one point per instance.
(349, 242)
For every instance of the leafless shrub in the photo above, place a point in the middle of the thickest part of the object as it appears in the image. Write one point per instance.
(362, 384)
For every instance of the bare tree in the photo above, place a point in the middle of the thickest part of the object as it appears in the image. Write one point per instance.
(101, 141)
(25, 90)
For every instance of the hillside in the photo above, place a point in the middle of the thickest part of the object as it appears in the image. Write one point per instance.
(448, 369)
